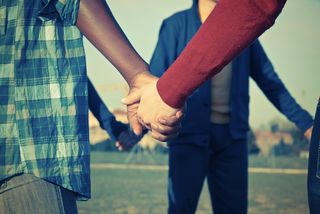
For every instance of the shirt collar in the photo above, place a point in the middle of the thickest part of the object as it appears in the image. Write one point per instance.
(195, 14)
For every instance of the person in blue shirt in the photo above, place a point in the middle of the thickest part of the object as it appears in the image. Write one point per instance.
(118, 131)
(212, 142)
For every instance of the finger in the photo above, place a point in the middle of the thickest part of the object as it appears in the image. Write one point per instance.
(180, 114)
(170, 121)
(141, 121)
(133, 120)
(165, 130)
(132, 97)
(137, 128)
(146, 126)
(118, 145)
(120, 148)
(160, 137)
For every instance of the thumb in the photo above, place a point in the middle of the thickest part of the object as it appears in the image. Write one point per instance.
(132, 97)
(135, 125)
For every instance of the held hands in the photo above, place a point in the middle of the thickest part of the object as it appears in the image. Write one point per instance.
(127, 139)
(147, 110)
(138, 82)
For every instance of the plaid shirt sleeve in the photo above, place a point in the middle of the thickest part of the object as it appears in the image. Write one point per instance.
(66, 10)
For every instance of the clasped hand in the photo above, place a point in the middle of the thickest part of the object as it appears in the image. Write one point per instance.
(146, 109)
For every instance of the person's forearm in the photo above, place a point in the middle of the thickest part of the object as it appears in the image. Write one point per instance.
(230, 28)
(98, 25)
(97, 106)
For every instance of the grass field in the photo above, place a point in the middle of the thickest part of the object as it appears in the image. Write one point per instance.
(132, 191)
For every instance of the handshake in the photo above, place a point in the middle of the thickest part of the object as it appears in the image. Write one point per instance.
(146, 109)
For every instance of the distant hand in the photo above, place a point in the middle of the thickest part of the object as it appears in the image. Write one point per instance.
(127, 139)
(308, 133)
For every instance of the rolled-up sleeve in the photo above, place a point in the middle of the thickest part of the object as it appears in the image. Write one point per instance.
(65, 10)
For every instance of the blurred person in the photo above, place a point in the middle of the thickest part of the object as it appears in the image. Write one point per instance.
(314, 166)
(230, 28)
(213, 141)
(44, 143)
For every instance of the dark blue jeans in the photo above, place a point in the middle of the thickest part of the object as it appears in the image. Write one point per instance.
(314, 166)
(224, 162)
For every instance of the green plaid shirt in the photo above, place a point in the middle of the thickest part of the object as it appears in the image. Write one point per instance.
(43, 93)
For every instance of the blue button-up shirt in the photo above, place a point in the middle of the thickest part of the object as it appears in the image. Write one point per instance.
(43, 93)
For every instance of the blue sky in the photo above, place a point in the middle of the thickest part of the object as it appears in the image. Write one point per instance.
(292, 45)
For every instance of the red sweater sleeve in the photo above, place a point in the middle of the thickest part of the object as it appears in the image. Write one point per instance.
(230, 28)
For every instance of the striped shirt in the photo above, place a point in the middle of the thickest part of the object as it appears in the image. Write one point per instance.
(43, 93)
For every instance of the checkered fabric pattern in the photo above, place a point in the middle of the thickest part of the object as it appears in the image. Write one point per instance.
(43, 93)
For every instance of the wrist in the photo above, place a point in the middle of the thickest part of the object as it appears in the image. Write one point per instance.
(114, 128)
(140, 79)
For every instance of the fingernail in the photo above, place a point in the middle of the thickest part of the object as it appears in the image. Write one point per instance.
(136, 132)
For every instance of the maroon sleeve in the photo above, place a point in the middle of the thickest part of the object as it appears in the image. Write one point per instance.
(232, 26)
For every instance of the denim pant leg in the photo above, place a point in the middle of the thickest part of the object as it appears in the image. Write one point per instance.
(187, 170)
(314, 166)
(25, 194)
(228, 172)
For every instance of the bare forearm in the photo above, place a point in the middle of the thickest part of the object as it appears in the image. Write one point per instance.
(98, 25)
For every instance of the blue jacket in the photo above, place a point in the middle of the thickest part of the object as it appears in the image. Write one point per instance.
(176, 31)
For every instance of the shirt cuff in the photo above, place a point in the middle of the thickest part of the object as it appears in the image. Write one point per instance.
(113, 127)
(66, 10)
(306, 124)
(173, 98)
